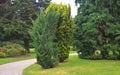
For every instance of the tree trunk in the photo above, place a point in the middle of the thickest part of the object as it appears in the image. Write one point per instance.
(26, 45)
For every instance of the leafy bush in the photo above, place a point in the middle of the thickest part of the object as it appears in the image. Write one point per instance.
(11, 49)
(112, 57)
(95, 56)
(3, 52)
(2, 55)
(14, 50)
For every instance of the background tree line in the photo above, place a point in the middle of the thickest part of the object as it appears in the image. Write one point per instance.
(16, 19)
(98, 29)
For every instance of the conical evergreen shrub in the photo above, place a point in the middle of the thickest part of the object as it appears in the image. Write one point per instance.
(43, 35)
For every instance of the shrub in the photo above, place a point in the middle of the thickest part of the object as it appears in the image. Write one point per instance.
(43, 35)
(11, 49)
(64, 31)
(15, 50)
(3, 52)
(92, 57)
(2, 55)
(112, 57)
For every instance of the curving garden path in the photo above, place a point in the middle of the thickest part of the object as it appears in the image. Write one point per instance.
(16, 68)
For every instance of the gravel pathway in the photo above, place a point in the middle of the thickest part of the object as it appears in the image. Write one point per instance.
(15, 68)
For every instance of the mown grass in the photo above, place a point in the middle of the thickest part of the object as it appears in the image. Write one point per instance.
(25, 57)
(13, 59)
(76, 66)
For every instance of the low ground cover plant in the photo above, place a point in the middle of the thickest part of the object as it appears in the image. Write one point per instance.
(11, 49)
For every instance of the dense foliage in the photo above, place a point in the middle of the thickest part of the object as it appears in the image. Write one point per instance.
(43, 35)
(15, 19)
(11, 49)
(64, 28)
(98, 29)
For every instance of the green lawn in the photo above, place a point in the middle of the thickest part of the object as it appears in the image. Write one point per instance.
(76, 66)
(13, 59)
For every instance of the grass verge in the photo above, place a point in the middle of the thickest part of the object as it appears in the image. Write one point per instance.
(24, 57)
(76, 66)
(13, 59)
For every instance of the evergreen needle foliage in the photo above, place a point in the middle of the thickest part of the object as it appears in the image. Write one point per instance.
(43, 35)
(64, 29)
(98, 29)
